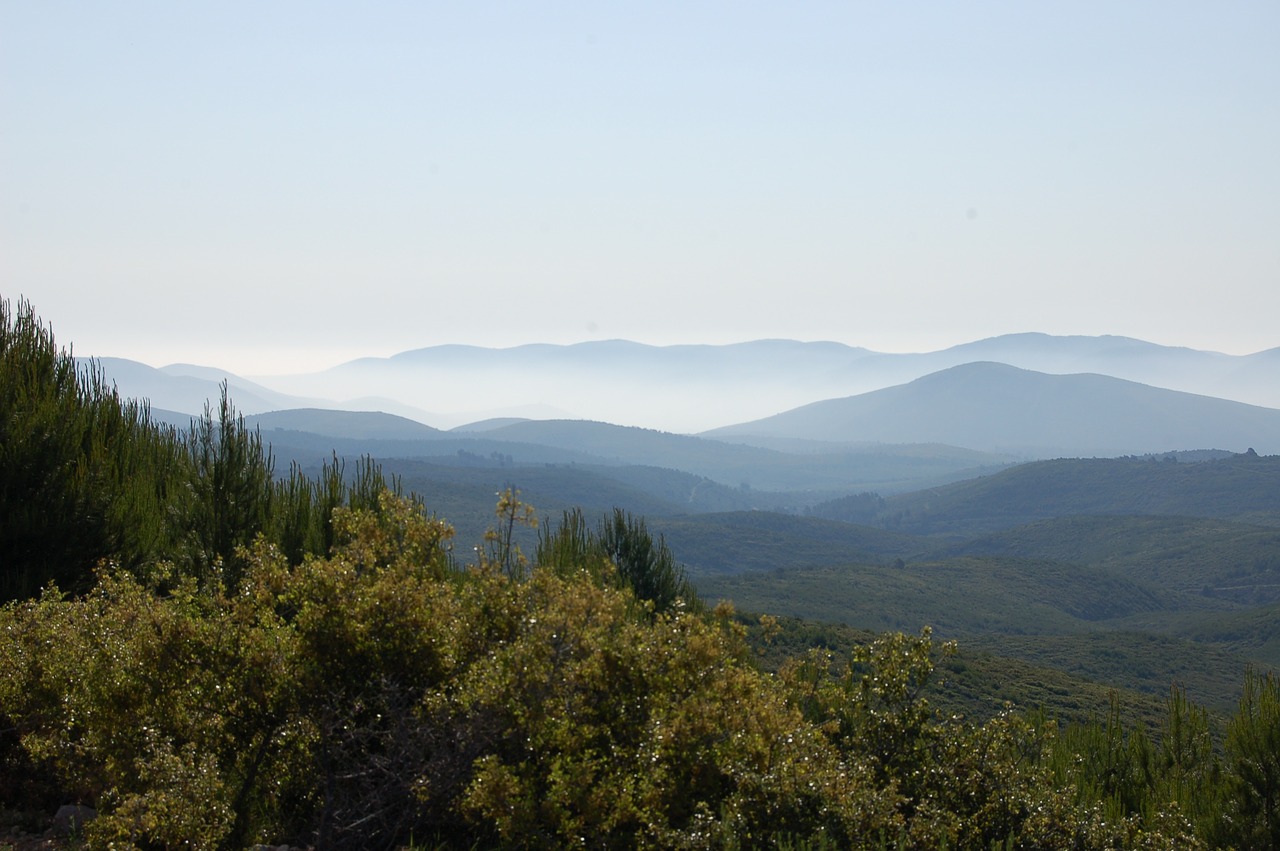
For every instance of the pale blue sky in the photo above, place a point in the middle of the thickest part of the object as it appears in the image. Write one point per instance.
(271, 186)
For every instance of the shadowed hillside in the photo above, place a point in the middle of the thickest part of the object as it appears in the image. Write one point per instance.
(1205, 556)
(1244, 488)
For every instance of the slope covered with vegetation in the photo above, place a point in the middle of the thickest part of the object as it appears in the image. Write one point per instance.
(1217, 558)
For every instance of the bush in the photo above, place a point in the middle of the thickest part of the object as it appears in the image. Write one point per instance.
(380, 693)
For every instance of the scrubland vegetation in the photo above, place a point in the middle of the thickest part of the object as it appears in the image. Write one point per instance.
(213, 656)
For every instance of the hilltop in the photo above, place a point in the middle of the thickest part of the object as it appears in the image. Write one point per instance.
(993, 407)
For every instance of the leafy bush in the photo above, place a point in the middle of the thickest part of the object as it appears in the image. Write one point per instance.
(382, 692)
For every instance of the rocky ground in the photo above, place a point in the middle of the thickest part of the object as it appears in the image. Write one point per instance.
(17, 839)
(26, 831)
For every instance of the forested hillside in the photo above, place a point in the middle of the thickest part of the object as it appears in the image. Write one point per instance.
(1240, 487)
(212, 654)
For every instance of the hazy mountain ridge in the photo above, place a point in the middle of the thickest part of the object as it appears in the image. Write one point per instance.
(773, 478)
(940, 428)
(363, 425)
(682, 388)
(187, 389)
(1061, 416)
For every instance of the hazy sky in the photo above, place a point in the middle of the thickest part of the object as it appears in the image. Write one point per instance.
(271, 186)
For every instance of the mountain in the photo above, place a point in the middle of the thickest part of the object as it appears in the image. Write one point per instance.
(676, 388)
(1243, 378)
(358, 425)
(692, 388)
(994, 407)
(695, 472)
(682, 388)
(187, 389)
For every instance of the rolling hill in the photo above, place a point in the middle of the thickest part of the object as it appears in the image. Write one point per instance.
(743, 541)
(766, 478)
(958, 596)
(350, 425)
(838, 468)
(1079, 620)
(1244, 488)
(1211, 557)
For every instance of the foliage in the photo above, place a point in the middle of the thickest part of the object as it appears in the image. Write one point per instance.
(953, 785)
(1209, 558)
(1188, 770)
(622, 544)
(230, 487)
(1240, 487)
(118, 689)
(1252, 816)
(382, 692)
(623, 732)
(87, 477)
(501, 547)
(83, 475)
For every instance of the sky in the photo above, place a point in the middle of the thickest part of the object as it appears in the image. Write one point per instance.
(281, 187)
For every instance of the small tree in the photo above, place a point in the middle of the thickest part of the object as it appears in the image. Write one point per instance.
(623, 543)
(1252, 818)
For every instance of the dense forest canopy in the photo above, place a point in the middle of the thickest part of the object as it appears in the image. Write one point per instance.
(213, 654)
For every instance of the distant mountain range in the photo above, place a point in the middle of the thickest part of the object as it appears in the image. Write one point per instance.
(685, 389)
(986, 406)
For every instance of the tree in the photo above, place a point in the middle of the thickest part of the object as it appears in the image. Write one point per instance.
(84, 475)
(1252, 818)
(623, 544)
